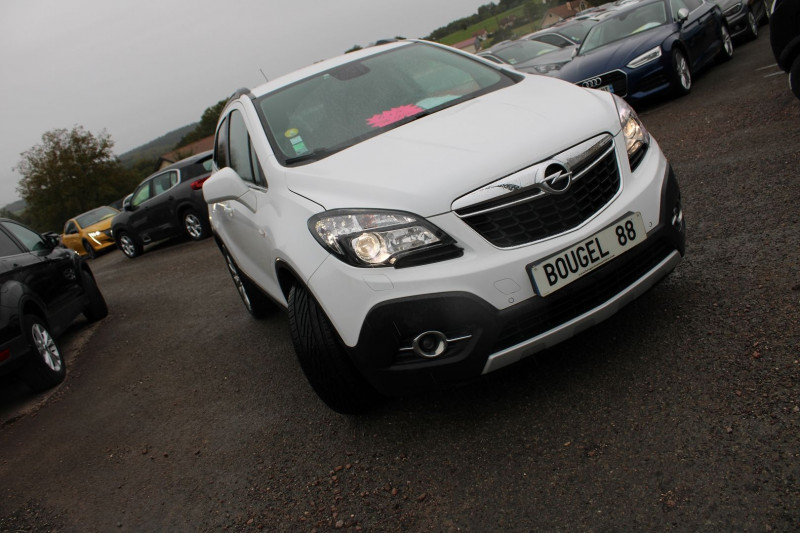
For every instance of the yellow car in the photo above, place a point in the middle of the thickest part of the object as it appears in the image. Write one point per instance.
(90, 232)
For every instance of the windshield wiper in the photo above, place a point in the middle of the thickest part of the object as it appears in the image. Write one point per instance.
(315, 155)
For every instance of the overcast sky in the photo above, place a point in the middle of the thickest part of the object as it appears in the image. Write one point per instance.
(142, 69)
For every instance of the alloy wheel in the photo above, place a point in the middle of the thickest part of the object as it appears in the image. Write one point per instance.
(193, 225)
(46, 347)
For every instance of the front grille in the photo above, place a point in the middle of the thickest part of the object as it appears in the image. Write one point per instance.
(616, 79)
(549, 214)
(572, 302)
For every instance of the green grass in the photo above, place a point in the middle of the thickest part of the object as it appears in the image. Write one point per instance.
(491, 26)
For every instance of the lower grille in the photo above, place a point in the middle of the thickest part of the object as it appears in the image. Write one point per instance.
(596, 289)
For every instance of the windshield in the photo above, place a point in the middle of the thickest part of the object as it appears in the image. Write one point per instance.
(576, 31)
(346, 105)
(624, 25)
(95, 215)
(523, 51)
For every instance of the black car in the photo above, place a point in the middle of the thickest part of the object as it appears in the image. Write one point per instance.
(744, 16)
(167, 204)
(43, 288)
(784, 37)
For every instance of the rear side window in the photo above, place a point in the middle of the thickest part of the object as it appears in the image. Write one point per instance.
(221, 145)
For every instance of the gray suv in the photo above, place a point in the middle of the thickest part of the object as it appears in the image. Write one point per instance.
(167, 204)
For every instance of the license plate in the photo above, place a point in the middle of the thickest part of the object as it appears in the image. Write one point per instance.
(568, 265)
(606, 88)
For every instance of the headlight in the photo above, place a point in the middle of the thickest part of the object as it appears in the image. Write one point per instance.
(94, 234)
(636, 136)
(734, 9)
(376, 238)
(645, 58)
(544, 69)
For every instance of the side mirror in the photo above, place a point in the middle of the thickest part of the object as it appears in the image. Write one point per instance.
(126, 203)
(683, 14)
(52, 239)
(226, 185)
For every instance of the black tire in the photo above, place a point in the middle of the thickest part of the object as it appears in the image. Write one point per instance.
(89, 250)
(195, 226)
(328, 368)
(794, 77)
(681, 72)
(256, 302)
(752, 26)
(129, 246)
(96, 309)
(726, 53)
(45, 367)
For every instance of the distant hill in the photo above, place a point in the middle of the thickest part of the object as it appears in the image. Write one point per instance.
(15, 208)
(156, 148)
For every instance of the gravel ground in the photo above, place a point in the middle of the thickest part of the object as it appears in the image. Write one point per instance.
(680, 413)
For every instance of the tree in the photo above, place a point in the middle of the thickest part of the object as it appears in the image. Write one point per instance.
(70, 172)
(207, 125)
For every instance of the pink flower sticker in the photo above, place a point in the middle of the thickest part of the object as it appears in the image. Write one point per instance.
(393, 115)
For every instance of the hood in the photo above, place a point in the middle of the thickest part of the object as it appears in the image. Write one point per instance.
(422, 166)
(614, 55)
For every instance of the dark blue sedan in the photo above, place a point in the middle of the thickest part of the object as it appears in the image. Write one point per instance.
(648, 47)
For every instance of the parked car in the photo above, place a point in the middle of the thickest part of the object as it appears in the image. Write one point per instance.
(426, 217)
(167, 204)
(533, 57)
(784, 38)
(43, 288)
(567, 34)
(90, 232)
(744, 16)
(650, 47)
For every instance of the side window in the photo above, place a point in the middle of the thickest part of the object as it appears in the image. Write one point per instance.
(30, 239)
(221, 145)
(70, 228)
(7, 246)
(141, 194)
(164, 182)
(243, 158)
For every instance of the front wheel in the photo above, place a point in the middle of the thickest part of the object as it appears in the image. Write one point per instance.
(194, 225)
(682, 73)
(328, 368)
(89, 250)
(45, 367)
(794, 77)
(96, 309)
(727, 44)
(752, 26)
(128, 245)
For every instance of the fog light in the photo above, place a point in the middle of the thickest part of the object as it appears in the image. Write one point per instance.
(677, 217)
(430, 344)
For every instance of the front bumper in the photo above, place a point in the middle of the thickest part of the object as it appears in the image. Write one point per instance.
(485, 338)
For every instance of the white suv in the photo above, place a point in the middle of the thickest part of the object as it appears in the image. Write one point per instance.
(426, 216)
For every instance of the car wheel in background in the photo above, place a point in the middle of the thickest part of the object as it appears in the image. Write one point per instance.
(96, 309)
(128, 245)
(45, 367)
(326, 365)
(682, 73)
(256, 303)
(194, 225)
(752, 26)
(727, 44)
(89, 250)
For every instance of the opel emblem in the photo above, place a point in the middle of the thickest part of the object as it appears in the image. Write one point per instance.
(557, 179)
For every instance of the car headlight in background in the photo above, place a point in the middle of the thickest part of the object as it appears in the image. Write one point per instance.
(376, 238)
(645, 58)
(545, 69)
(94, 235)
(734, 9)
(636, 136)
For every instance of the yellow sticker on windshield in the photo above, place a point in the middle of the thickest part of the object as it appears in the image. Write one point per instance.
(291, 132)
